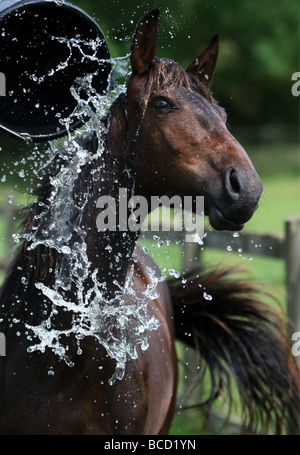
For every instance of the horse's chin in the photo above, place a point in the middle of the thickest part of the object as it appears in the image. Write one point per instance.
(219, 222)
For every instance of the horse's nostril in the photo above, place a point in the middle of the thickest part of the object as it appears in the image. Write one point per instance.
(233, 183)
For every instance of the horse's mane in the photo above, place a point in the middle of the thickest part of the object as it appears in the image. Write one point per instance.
(165, 73)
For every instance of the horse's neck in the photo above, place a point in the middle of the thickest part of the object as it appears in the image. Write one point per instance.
(110, 251)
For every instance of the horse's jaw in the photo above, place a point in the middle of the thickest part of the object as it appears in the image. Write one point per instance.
(219, 222)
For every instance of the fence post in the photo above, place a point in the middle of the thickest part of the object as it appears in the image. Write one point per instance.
(292, 248)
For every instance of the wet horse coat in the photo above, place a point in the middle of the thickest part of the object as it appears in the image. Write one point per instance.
(172, 136)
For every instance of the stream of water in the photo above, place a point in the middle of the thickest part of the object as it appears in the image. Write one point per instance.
(119, 324)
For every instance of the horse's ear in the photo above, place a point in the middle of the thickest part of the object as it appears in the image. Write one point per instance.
(204, 65)
(144, 42)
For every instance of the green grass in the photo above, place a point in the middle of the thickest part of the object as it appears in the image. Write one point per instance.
(278, 166)
(280, 200)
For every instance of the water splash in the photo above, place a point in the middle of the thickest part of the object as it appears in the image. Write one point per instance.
(119, 324)
(87, 50)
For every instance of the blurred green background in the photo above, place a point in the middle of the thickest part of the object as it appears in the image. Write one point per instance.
(259, 52)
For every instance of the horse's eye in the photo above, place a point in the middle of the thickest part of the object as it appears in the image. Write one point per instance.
(163, 105)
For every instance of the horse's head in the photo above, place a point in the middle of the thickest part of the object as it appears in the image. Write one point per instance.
(178, 136)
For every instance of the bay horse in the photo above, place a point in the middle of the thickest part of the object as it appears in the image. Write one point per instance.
(165, 136)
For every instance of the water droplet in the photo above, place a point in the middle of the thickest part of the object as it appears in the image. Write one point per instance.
(174, 273)
(207, 296)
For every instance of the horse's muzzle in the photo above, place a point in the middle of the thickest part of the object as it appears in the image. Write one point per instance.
(235, 204)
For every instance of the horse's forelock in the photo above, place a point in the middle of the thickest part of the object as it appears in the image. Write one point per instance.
(165, 73)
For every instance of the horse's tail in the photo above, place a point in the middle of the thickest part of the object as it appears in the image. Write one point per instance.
(239, 336)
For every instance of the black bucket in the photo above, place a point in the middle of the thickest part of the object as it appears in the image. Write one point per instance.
(43, 47)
